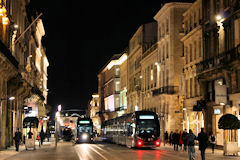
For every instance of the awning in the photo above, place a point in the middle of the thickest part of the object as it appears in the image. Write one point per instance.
(30, 122)
(228, 121)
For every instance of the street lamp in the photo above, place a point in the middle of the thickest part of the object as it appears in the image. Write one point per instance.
(57, 116)
(5, 99)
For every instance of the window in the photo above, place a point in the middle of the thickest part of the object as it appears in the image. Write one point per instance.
(191, 87)
(195, 19)
(155, 75)
(190, 53)
(186, 54)
(163, 28)
(167, 78)
(117, 86)
(196, 86)
(38, 59)
(186, 87)
(117, 71)
(200, 49)
(163, 53)
(151, 82)
(195, 50)
(160, 32)
(151, 72)
(167, 50)
(163, 78)
(167, 28)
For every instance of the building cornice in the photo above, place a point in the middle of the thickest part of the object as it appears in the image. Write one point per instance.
(168, 6)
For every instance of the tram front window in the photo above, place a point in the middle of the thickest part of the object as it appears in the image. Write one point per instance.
(87, 129)
(146, 128)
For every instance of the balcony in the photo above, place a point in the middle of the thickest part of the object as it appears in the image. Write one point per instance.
(165, 90)
(150, 50)
(221, 61)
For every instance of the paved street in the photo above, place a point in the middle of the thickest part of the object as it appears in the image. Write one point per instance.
(104, 151)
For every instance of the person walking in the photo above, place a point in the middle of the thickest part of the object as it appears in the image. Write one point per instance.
(42, 136)
(17, 138)
(212, 140)
(171, 138)
(175, 140)
(39, 139)
(191, 145)
(30, 134)
(184, 137)
(180, 140)
(165, 137)
(203, 142)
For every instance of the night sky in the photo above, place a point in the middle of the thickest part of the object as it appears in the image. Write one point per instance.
(81, 36)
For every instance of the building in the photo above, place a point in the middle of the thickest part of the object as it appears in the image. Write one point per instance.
(94, 109)
(169, 66)
(149, 77)
(192, 54)
(218, 73)
(109, 87)
(143, 39)
(123, 85)
(23, 68)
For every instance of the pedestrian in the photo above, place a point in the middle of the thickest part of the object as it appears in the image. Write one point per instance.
(30, 134)
(212, 140)
(170, 138)
(165, 137)
(180, 140)
(42, 136)
(48, 135)
(203, 142)
(184, 137)
(17, 138)
(39, 139)
(191, 145)
(175, 140)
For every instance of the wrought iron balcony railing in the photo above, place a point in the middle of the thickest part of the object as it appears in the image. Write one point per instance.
(165, 90)
(220, 61)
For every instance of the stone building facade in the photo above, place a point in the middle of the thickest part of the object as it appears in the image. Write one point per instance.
(110, 87)
(192, 42)
(142, 40)
(170, 63)
(94, 109)
(218, 73)
(22, 74)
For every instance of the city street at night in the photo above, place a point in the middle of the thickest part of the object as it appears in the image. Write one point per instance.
(120, 80)
(106, 151)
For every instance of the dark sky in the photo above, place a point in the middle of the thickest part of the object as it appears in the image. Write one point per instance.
(81, 36)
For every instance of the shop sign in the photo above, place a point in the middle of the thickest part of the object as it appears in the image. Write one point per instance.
(217, 111)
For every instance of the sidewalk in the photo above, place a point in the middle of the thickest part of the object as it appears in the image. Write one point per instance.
(218, 153)
(11, 151)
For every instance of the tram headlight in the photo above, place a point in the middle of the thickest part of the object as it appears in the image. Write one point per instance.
(84, 136)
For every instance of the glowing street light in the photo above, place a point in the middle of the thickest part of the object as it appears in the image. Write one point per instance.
(59, 108)
(11, 98)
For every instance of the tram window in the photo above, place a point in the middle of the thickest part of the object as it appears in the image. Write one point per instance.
(129, 129)
(121, 129)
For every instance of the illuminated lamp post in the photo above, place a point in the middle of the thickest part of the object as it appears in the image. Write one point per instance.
(57, 117)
